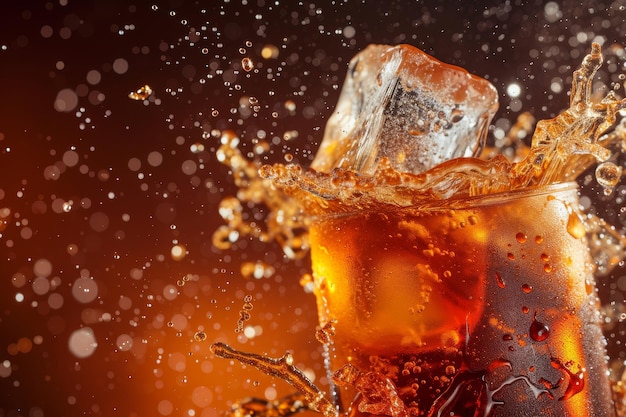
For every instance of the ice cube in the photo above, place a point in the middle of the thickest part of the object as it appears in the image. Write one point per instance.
(400, 103)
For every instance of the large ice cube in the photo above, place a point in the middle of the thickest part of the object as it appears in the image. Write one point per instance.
(400, 103)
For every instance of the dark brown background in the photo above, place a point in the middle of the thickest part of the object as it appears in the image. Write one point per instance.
(189, 53)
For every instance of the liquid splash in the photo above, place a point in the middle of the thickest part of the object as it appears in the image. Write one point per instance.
(561, 149)
(283, 407)
(284, 221)
(142, 93)
(377, 393)
(283, 368)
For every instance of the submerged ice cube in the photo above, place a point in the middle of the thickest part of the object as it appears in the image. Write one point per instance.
(401, 104)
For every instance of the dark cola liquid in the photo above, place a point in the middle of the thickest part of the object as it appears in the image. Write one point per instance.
(484, 310)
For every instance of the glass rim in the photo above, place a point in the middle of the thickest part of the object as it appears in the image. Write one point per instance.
(495, 198)
(461, 203)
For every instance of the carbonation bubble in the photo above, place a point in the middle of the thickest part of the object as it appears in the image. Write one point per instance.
(125, 302)
(202, 396)
(120, 66)
(136, 273)
(155, 158)
(70, 158)
(170, 292)
(178, 252)
(124, 342)
(456, 115)
(99, 221)
(82, 342)
(42, 268)
(177, 361)
(66, 100)
(24, 345)
(165, 407)
(179, 321)
(85, 290)
(269, 51)
(134, 164)
(5, 369)
(18, 280)
(189, 167)
(55, 301)
(72, 249)
(41, 286)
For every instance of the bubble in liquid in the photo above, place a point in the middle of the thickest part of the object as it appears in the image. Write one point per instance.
(82, 342)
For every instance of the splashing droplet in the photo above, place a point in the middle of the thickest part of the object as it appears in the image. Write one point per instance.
(247, 64)
(141, 93)
(608, 175)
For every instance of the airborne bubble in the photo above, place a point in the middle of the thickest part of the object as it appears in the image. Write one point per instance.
(82, 342)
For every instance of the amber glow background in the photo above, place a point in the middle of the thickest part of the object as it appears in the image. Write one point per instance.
(98, 189)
